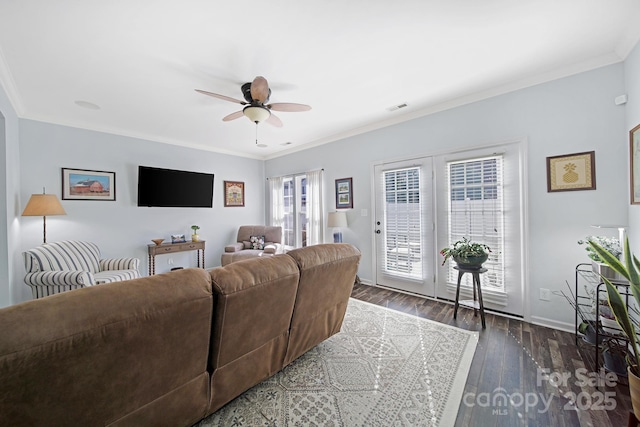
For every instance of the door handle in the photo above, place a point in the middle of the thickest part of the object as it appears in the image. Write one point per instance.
(377, 231)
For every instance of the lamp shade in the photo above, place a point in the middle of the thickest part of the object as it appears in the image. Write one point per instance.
(43, 205)
(337, 219)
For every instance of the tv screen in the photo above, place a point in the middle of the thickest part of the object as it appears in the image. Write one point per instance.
(174, 188)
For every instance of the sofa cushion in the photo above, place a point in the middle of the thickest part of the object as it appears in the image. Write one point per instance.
(65, 255)
(98, 354)
(327, 274)
(252, 313)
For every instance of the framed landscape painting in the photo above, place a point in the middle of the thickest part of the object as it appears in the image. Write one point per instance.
(81, 184)
(344, 193)
(233, 193)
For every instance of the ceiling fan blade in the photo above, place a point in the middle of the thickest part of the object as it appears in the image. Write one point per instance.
(260, 89)
(233, 116)
(274, 121)
(288, 107)
(217, 95)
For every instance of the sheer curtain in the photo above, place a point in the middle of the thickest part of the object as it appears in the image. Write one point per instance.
(315, 225)
(276, 185)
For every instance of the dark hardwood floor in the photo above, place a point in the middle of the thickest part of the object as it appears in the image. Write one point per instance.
(506, 385)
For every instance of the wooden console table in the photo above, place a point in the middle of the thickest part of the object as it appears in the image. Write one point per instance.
(169, 248)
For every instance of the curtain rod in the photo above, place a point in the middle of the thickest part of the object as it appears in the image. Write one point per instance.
(296, 174)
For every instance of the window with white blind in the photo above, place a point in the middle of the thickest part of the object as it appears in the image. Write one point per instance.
(476, 211)
(402, 219)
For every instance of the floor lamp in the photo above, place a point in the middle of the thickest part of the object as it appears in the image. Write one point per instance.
(337, 220)
(43, 205)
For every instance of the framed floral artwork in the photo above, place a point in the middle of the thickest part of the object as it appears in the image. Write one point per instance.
(233, 193)
(571, 172)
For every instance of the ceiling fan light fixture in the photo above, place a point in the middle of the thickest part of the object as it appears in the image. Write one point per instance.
(256, 114)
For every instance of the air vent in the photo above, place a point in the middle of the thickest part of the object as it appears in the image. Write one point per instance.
(397, 107)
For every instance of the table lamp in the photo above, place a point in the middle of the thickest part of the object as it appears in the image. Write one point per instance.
(337, 220)
(43, 205)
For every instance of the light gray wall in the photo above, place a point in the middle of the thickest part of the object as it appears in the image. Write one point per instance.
(632, 83)
(121, 228)
(9, 198)
(569, 115)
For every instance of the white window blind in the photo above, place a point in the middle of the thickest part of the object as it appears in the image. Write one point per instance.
(402, 222)
(476, 211)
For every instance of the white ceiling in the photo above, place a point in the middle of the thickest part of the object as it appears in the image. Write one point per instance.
(140, 61)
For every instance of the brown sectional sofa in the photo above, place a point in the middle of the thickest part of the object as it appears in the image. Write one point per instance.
(168, 349)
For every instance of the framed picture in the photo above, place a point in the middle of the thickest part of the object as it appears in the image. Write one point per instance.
(571, 172)
(178, 238)
(344, 193)
(634, 155)
(233, 193)
(81, 184)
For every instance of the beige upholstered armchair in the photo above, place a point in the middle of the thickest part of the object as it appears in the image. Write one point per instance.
(254, 241)
(63, 266)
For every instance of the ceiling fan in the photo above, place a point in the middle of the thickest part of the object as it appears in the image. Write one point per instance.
(256, 94)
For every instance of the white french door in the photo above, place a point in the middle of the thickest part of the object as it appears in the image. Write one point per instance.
(404, 242)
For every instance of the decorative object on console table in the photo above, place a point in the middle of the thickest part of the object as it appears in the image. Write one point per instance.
(178, 238)
(43, 205)
(79, 184)
(344, 193)
(337, 220)
(195, 237)
(634, 155)
(571, 172)
(158, 242)
(233, 193)
(166, 248)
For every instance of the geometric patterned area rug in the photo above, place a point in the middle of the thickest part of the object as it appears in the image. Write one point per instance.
(384, 368)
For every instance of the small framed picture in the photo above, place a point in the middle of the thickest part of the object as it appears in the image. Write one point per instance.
(233, 193)
(81, 184)
(344, 193)
(571, 172)
(634, 155)
(178, 238)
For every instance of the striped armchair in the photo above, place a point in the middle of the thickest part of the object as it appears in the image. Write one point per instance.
(63, 266)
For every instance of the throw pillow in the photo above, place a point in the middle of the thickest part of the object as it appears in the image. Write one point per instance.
(257, 242)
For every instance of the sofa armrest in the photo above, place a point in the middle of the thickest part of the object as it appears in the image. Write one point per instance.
(235, 247)
(71, 278)
(119, 264)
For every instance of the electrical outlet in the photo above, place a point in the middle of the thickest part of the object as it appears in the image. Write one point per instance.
(545, 294)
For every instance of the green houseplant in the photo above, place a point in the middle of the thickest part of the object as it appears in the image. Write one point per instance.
(630, 270)
(466, 253)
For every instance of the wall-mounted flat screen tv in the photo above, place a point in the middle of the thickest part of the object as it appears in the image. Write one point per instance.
(174, 188)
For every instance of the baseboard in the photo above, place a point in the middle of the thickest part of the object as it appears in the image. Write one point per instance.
(553, 324)
(536, 320)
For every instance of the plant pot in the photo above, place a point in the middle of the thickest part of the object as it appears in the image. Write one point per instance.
(195, 237)
(610, 326)
(590, 334)
(634, 391)
(615, 362)
(472, 262)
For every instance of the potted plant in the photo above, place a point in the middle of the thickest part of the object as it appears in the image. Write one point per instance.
(614, 353)
(195, 237)
(466, 254)
(612, 245)
(630, 270)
